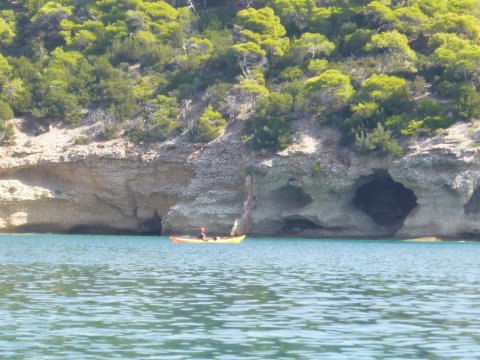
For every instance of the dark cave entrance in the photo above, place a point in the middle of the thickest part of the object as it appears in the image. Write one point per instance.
(152, 225)
(147, 226)
(292, 197)
(473, 205)
(298, 225)
(386, 201)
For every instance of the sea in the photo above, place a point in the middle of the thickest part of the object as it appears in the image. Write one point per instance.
(131, 297)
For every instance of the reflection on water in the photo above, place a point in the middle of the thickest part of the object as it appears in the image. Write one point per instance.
(72, 297)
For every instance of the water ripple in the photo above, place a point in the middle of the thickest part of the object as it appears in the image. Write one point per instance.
(144, 298)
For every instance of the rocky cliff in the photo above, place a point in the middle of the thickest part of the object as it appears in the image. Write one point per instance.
(50, 183)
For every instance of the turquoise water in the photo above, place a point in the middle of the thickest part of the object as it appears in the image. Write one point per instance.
(85, 297)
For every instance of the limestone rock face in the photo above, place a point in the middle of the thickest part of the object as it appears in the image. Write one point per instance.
(313, 188)
(317, 189)
(52, 185)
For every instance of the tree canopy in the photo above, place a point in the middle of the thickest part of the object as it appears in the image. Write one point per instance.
(378, 70)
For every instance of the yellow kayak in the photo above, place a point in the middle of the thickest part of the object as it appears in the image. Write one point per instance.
(424, 239)
(216, 240)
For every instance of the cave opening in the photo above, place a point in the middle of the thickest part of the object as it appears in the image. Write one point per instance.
(386, 201)
(298, 225)
(292, 197)
(473, 204)
(147, 226)
(152, 225)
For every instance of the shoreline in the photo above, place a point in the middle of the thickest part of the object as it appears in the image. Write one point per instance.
(424, 239)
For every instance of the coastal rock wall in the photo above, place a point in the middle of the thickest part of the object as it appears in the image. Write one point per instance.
(432, 190)
(114, 187)
(313, 188)
(102, 196)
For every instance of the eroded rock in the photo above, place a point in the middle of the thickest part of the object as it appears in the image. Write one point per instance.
(315, 188)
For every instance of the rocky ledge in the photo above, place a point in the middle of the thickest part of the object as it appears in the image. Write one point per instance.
(314, 188)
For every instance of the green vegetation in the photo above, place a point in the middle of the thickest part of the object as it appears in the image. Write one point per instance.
(378, 70)
(208, 126)
(316, 168)
(81, 140)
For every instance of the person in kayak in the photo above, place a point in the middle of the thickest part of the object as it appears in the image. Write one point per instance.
(201, 234)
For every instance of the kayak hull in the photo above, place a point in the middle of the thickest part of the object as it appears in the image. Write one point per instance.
(217, 240)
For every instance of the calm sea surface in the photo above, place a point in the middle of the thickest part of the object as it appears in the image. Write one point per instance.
(105, 297)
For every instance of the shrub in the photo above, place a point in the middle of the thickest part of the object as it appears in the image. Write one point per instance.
(7, 133)
(110, 132)
(414, 128)
(216, 94)
(418, 86)
(277, 104)
(429, 107)
(128, 50)
(6, 111)
(390, 92)
(125, 110)
(364, 115)
(81, 140)
(137, 134)
(427, 125)
(17, 95)
(208, 126)
(448, 89)
(316, 168)
(330, 90)
(291, 73)
(438, 122)
(162, 115)
(355, 43)
(468, 103)
(317, 66)
(378, 141)
(269, 130)
(396, 122)
(268, 133)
